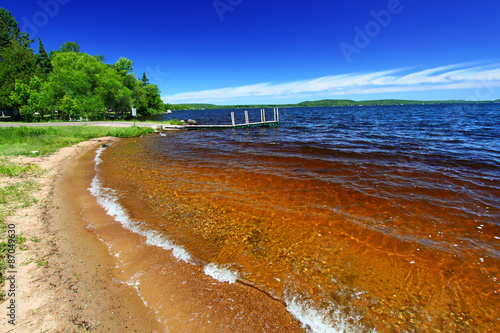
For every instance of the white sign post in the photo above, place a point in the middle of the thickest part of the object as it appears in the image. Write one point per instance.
(134, 114)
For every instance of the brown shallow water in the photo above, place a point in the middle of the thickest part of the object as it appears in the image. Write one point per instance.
(385, 254)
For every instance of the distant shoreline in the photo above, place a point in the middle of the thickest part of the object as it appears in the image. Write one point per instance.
(324, 103)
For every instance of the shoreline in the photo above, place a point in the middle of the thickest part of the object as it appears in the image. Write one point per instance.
(72, 291)
(91, 279)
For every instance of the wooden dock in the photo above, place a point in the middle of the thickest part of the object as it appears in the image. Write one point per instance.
(263, 123)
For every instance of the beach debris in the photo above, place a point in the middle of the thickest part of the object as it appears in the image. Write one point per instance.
(192, 122)
(34, 151)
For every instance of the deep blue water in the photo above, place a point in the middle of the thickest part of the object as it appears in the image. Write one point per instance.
(465, 136)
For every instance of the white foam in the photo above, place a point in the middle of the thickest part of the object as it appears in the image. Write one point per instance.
(330, 320)
(221, 274)
(97, 158)
(106, 198)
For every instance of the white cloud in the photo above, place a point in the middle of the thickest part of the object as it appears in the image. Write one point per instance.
(456, 76)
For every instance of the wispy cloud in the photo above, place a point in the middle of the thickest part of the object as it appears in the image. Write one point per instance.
(456, 76)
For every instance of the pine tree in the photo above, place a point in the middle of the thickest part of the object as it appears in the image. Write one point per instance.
(17, 61)
(144, 80)
(43, 59)
(10, 32)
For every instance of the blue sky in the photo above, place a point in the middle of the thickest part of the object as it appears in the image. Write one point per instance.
(256, 51)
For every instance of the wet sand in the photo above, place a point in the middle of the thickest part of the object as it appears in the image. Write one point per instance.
(73, 291)
(101, 277)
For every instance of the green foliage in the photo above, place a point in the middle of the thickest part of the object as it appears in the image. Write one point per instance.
(144, 80)
(16, 170)
(124, 66)
(18, 64)
(100, 58)
(82, 86)
(10, 32)
(19, 193)
(154, 101)
(43, 59)
(29, 98)
(70, 47)
(68, 84)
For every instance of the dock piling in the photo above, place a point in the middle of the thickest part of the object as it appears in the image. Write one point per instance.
(262, 123)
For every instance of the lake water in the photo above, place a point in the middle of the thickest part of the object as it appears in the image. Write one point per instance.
(369, 218)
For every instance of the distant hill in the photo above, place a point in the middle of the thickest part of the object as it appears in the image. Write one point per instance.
(320, 103)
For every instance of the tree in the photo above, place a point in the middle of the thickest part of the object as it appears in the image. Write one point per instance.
(70, 47)
(9, 31)
(17, 61)
(70, 106)
(80, 85)
(144, 80)
(43, 59)
(124, 66)
(18, 64)
(29, 98)
(125, 69)
(155, 103)
(100, 58)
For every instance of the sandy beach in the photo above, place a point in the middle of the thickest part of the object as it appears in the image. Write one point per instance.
(83, 288)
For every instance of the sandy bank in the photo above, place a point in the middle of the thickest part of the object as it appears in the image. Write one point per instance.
(84, 288)
(73, 292)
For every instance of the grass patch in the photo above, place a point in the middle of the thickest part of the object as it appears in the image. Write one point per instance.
(42, 263)
(15, 196)
(15, 170)
(21, 242)
(45, 140)
(12, 197)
